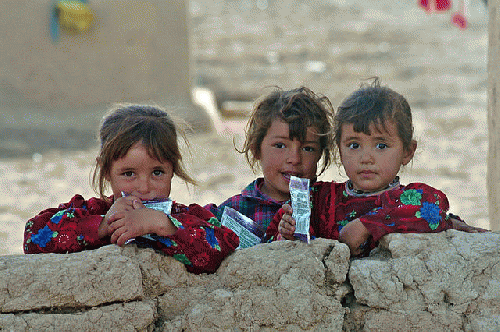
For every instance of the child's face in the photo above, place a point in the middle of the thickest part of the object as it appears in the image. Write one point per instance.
(280, 157)
(373, 161)
(140, 175)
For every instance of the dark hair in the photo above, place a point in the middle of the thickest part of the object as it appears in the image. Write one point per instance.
(127, 124)
(300, 108)
(374, 104)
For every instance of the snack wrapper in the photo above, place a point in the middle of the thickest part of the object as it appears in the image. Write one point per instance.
(299, 192)
(243, 226)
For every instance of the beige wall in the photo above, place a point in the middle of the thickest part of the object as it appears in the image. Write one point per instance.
(136, 51)
(494, 115)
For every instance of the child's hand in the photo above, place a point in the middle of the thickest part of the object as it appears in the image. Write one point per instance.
(462, 226)
(138, 222)
(354, 234)
(121, 204)
(286, 227)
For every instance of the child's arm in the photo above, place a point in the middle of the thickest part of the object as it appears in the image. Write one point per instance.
(199, 240)
(416, 208)
(71, 227)
(355, 235)
(460, 225)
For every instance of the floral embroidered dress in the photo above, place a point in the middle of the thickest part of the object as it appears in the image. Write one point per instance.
(254, 204)
(414, 208)
(200, 242)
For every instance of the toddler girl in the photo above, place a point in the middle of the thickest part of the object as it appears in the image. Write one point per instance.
(287, 134)
(138, 157)
(373, 132)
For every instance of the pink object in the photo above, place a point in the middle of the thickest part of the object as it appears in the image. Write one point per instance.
(459, 20)
(435, 5)
(443, 5)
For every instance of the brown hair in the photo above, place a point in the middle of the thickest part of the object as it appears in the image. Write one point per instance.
(300, 108)
(375, 104)
(127, 124)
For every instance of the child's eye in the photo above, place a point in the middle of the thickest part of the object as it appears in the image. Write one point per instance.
(381, 146)
(279, 145)
(309, 149)
(158, 172)
(128, 173)
(353, 145)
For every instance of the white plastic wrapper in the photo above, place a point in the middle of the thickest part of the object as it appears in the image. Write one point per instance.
(299, 192)
(243, 226)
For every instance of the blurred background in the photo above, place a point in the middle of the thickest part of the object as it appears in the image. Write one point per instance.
(208, 61)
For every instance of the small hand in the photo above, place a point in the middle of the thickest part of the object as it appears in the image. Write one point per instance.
(354, 234)
(138, 222)
(462, 226)
(286, 227)
(121, 204)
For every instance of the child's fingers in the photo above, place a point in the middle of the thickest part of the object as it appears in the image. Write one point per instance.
(137, 204)
(117, 236)
(287, 209)
(289, 220)
(285, 228)
(115, 216)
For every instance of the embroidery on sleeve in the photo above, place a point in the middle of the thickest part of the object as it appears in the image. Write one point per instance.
(211, 239)
(430, 212)
(43, 237)
(411, 197)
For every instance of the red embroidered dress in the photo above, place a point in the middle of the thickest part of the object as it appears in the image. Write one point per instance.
(415, 208)
(200, 241)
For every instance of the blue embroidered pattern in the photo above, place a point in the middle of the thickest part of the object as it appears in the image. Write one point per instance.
(43, 237)
(56, 218)
(211, 239)
(430, 212)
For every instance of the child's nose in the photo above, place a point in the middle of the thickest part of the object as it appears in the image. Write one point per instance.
(144, 185)
(366, 156)
(294, 156)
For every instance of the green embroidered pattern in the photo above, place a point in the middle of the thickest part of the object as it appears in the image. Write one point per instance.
(182, 258)
(343, 222)
(214, 221)
(411, 197)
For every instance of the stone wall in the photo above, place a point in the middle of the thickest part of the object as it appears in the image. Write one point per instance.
(413, 282)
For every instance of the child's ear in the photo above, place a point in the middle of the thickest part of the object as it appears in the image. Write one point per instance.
(409, 153)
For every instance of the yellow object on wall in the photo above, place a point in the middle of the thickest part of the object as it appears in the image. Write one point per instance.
(74, 16)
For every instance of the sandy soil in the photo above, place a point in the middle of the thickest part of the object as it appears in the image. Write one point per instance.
(326, 45)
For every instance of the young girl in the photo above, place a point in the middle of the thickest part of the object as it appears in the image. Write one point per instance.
(139, 155)
(287, 134)
(374, 134)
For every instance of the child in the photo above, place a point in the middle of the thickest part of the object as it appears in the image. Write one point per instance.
(138, 157)
(374, 136)
(287, 134)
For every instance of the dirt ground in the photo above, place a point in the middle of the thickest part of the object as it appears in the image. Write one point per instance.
(240, 47)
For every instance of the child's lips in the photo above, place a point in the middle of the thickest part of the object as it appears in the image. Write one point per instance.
(367, 173)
